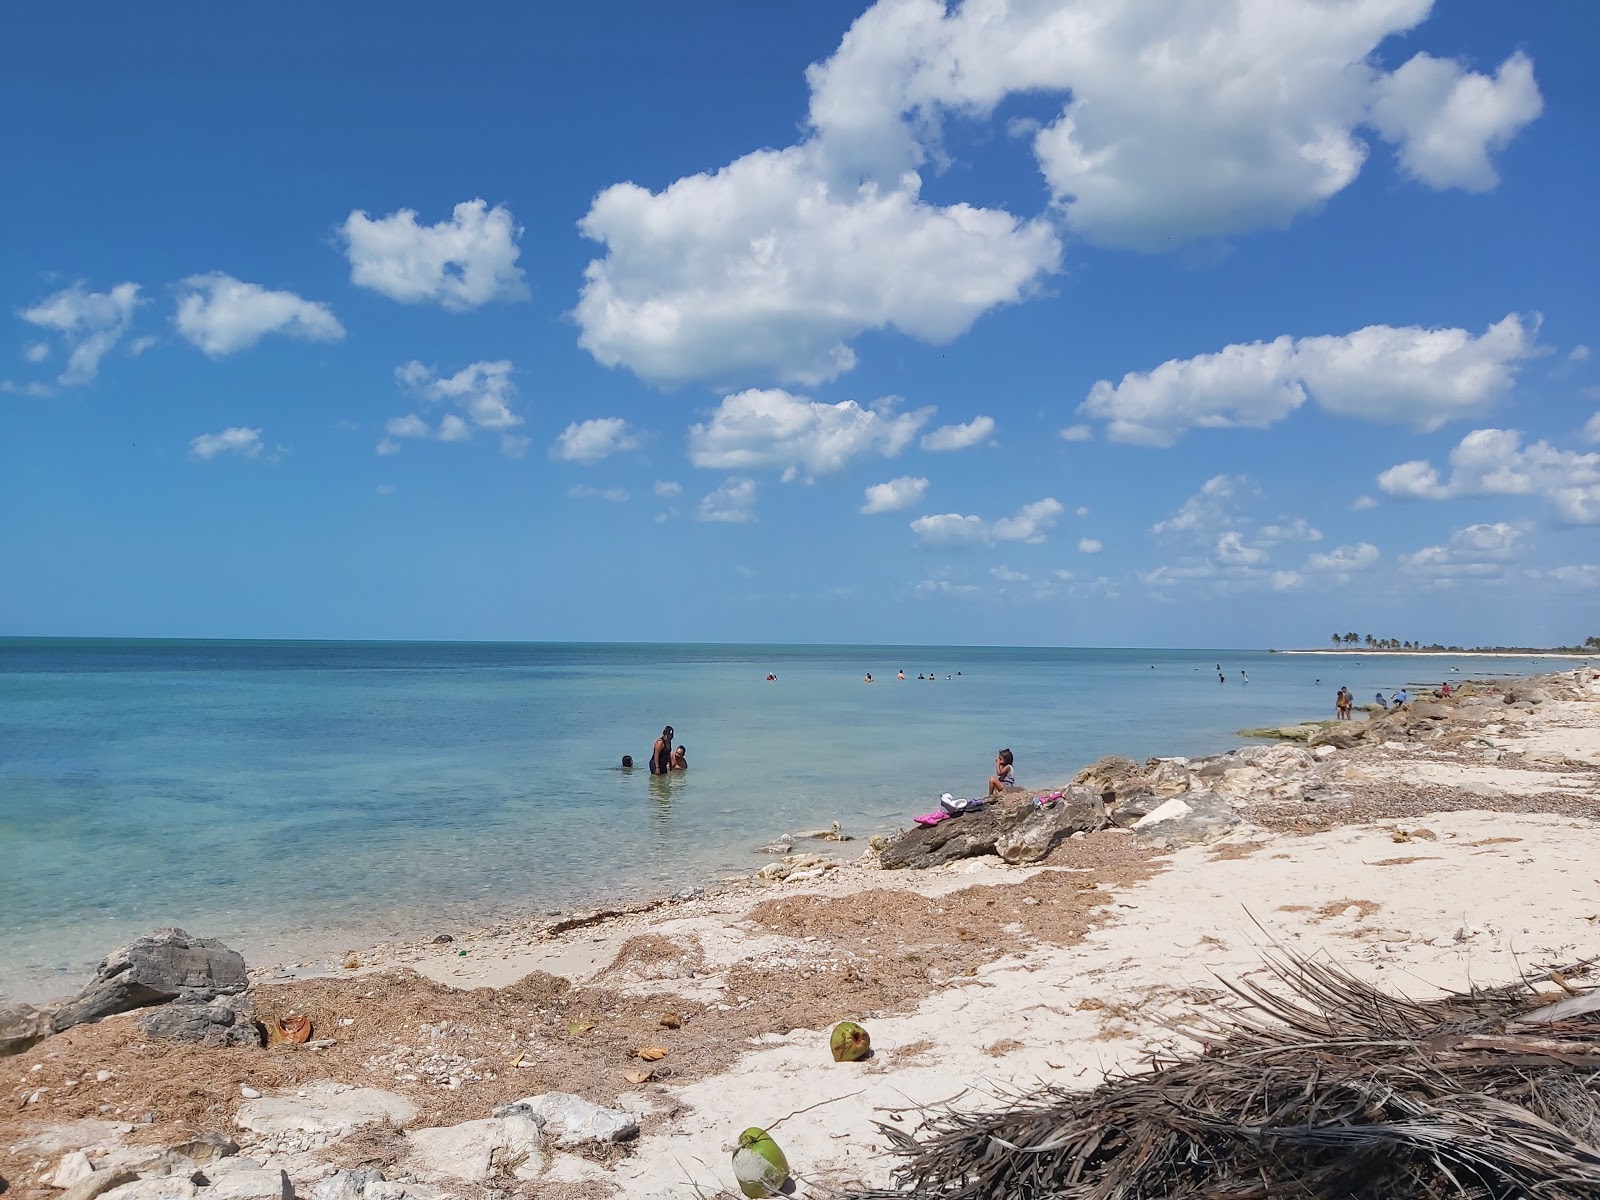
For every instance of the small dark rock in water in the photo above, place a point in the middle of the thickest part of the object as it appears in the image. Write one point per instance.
(442, 938)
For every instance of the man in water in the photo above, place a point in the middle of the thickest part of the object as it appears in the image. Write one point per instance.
(627, 762)
(661, 754)
(680, 759)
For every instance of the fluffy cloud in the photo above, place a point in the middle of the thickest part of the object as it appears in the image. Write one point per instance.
(1493, 462)
(1179, 121)
(1176, 123)
(1591, 430)
(772, 428)
(1445, 121)
(590, 441)
(766, 268)
(462, 263)
(1090, 546)
(1006, 575)
(1478, 551)
(246, 443)
(895, 495)
(1343, 560)
(1077, 433)
(1029, 524)
(1411, 376)
(221, 314)
(482, 393)
(1209, 509)
(613, 495)
(668, 488)
(90, 324)
(734, 503)
(959, 437)
(36, 352)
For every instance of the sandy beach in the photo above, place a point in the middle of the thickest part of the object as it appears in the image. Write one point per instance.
(1451, 848)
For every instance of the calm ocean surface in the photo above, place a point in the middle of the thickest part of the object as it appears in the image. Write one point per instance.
(296, 797)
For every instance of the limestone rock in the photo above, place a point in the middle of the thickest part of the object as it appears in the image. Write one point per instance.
(924, 846)
(70, 1135)
(1341, 736)
(21, 1025)
(1109, 777)
(346, 1185)
(475, 1150)
(573, 1121)
(163, 966)
(1193, 819)
(260, 1184)
(324, 1111)
(163, 1187)
(1432, 710)
(209, 1147)
(224, 1021)
(74, 1165)
(97, 1184)
(1029, 833)
(1134, 807)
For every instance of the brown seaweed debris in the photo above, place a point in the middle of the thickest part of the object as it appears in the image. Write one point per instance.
(1334, 1089)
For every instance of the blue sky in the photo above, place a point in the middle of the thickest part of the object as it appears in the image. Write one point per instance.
(1222, 323)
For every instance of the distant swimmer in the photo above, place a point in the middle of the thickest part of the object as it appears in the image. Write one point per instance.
(771, 678)
(1245, 675)
(902, 676)
(868, 678)
(920, 675)
(627, 762)
(661, 753)
(1221, 678)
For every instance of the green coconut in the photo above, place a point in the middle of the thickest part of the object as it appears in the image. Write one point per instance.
(759, 1165)
(849, 1042)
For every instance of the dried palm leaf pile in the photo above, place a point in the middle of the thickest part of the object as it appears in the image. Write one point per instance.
(1335, 1089)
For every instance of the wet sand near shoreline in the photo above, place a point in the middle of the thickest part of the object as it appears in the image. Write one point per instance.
(1465, 858)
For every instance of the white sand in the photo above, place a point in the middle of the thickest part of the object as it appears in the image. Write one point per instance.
(1466, 909)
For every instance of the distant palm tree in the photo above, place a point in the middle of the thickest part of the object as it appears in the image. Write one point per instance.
(1370, 641)
(1337, 638)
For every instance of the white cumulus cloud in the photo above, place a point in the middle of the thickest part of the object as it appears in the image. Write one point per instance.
(767, 269)
(1029, 524)
(772, 428)
(1445, 121)
(238, 440)
(481, 393)
(1401, 375)
(590, 441)
(221, 315)
(1478, 551)
(462, 263)
(733, 503)
(668, 488)
(1343, 560)
(89, 323)
(1090, 546)
(1494, 462)
(1077, 433)
(613, 495)
(1591, 430)
(959, 437)
(895, 495)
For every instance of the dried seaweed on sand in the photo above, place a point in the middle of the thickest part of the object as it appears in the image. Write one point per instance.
(1322, 1087)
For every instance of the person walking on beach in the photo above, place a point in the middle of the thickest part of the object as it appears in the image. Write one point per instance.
(661, 754)
(1342, 704)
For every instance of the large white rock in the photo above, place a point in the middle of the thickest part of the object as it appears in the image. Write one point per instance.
(573, 1121)
(165, 1187)
(473, 1150)
(260, 1184)
(368, 1183)
(74, 1165)
(70, 1135)
(325, 1111)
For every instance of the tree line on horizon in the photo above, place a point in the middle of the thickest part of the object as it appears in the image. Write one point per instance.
(1590, 645)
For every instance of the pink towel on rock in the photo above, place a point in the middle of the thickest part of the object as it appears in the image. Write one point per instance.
(932, 818)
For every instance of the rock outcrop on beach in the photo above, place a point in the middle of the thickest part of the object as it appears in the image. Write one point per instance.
(21, 1025)
(1018, 833)
(163, 966)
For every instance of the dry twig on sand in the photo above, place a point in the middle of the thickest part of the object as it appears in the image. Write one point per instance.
(1335, 1089)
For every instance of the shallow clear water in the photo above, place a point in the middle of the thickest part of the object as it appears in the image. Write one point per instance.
(285, 796)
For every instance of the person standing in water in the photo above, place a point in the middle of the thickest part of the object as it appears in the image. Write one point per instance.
(661, 754)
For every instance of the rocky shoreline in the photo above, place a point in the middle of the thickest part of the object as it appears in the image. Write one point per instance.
(463, 1066)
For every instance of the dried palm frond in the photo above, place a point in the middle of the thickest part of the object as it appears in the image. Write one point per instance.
(1322, 1086)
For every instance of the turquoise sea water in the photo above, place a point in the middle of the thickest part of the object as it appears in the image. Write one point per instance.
(286, 796)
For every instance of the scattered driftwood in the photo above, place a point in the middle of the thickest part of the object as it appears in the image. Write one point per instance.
(1334, 1089)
